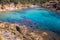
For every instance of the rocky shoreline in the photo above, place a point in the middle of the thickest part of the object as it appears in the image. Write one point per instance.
(51, 5)
(9, 31)
(19, 6)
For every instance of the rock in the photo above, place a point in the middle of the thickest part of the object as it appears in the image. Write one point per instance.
(11, 31)
(2, 37)
(52, 5)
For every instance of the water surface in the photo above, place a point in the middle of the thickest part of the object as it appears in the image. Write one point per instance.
(39, 18)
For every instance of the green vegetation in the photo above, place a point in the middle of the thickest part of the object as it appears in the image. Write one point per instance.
(22, 1)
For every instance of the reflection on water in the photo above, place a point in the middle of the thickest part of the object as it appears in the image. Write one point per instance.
(35, 17)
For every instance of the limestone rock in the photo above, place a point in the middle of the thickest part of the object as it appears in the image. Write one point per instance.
(9, 31)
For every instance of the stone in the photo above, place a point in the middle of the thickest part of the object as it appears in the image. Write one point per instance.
(10, 31)
(2, 37)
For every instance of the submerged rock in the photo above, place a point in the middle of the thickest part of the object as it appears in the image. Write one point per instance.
(10, 31)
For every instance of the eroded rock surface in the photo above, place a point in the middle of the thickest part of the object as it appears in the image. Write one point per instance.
(52, 5)
(10, 31)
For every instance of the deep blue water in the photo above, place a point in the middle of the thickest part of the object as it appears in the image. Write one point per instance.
(39, 18)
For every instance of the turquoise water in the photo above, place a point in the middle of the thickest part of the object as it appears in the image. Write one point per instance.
(39, 18)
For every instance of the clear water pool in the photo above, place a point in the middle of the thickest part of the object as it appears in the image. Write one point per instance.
(39, 18)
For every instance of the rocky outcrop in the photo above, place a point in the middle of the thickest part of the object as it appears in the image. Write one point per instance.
(10, 31)
(52, 5)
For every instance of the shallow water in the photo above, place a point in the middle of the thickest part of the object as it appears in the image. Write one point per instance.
(39, 18)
